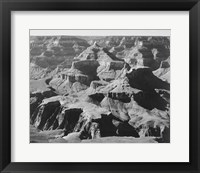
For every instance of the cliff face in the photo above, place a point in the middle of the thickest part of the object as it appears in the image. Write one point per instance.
(92, 64)
(49, 52)
(107, 109)
(104, 96)
(107, 114)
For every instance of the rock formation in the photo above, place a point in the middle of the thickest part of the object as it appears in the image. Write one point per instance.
(121, 95)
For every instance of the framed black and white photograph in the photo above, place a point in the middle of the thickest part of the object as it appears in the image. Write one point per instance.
(99, 86)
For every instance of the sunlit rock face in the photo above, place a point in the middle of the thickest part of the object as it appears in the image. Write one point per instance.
(50, 52)
(163, 72)
(100, 89)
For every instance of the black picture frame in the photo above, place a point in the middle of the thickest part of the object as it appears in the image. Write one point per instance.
(6, 6)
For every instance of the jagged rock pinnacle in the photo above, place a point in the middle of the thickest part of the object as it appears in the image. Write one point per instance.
(95, 44)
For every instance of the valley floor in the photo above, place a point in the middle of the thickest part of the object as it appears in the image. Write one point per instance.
(54, 136)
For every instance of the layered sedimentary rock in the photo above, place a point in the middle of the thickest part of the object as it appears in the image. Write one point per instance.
(87, 68)
(79, 75)
(122, 95)
(49, 52)
(113, 109)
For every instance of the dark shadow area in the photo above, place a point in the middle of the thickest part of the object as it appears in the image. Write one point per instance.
(106, 126)
(150, 100)
(144, 79)
(45, 113)
(97, 97)
(125, 129)
(70, 120)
